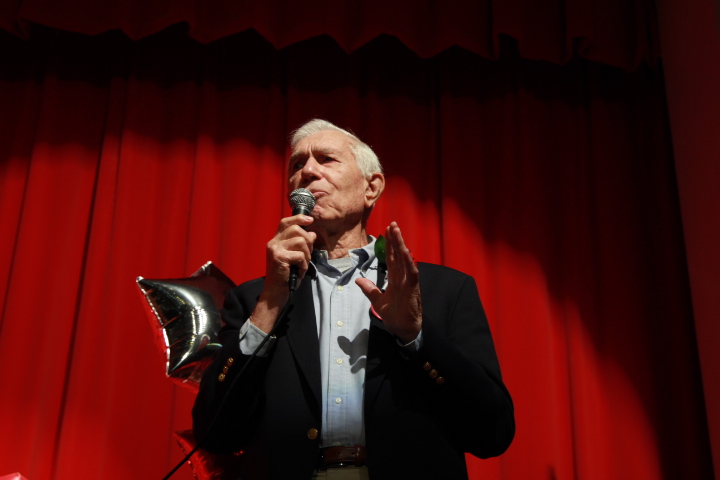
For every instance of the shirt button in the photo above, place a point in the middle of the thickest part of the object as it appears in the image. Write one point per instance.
(340, 288)
(338, 400)
(339, 361)
(340, 323)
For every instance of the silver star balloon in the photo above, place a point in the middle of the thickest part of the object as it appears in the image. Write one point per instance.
(186, 315)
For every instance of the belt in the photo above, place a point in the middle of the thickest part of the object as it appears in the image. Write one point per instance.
(341, 456)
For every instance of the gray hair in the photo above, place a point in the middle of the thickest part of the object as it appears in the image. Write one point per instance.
(366, 159)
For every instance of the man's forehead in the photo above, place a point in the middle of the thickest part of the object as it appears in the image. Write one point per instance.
(324, 141)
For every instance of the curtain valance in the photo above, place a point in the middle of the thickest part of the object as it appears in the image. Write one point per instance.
(615, 32)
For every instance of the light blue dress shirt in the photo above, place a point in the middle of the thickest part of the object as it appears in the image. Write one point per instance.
(343, 321)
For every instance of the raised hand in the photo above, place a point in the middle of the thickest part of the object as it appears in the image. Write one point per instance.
(400, 306)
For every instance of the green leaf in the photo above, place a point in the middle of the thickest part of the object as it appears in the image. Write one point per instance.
(380, 250)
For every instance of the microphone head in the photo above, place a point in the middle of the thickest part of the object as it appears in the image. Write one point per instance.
(302, 201)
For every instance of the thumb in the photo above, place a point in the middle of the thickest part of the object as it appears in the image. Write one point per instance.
(371, 291)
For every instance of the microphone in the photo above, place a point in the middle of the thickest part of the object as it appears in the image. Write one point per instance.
(302, 202)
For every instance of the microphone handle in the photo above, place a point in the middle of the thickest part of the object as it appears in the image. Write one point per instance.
(292, 281)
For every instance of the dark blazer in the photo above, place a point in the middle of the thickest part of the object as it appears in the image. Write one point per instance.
(421, 413)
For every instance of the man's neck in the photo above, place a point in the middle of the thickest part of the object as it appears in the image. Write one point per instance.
(338, 245)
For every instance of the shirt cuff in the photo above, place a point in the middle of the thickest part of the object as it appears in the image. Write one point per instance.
(251, 336)
(412, 347)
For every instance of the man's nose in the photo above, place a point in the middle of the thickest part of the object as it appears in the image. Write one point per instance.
(311, 169)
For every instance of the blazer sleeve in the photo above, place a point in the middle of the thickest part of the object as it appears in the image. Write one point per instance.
(457, 365)
(235, 406)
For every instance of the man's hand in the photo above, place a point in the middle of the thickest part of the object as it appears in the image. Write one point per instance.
(399, 306)
(291, 245)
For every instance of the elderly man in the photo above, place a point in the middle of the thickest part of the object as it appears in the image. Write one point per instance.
(361, 379)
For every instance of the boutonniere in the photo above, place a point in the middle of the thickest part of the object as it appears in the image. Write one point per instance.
(381, 255)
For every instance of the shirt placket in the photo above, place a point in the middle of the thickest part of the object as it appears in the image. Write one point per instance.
(338, 377)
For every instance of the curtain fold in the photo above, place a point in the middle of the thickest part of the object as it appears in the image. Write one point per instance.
(615, 32)
(552, 185)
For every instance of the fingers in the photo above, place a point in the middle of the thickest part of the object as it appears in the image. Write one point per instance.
(301, 220)
(293, 228)
(401, 265)
(291, 245)
(399, 305)
(293, 251)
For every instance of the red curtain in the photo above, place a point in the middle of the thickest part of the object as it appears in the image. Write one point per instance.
(552, 185)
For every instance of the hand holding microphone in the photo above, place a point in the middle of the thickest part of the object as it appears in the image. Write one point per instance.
(287, 257)
(288, 252)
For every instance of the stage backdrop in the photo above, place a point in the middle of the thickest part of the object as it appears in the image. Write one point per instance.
(552, 184)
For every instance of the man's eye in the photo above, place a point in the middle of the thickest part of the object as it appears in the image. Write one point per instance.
(328, 159)
(297, 166)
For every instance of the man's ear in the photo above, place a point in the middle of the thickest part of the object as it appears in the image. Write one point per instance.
(375, 187)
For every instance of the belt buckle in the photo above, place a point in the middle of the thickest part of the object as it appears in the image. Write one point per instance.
(357, 459)
(323, 465)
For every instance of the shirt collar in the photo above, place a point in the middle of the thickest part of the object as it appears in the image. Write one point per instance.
(364, 256)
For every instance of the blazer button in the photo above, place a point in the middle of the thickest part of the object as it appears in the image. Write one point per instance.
(312, 433)
(433, 373)
(427, 366)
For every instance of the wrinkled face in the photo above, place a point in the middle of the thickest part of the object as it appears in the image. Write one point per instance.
(324, 164)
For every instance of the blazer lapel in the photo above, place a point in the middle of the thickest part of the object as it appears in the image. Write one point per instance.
(303, 337)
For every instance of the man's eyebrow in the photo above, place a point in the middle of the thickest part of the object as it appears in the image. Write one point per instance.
(301, 154)
(295, 156)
